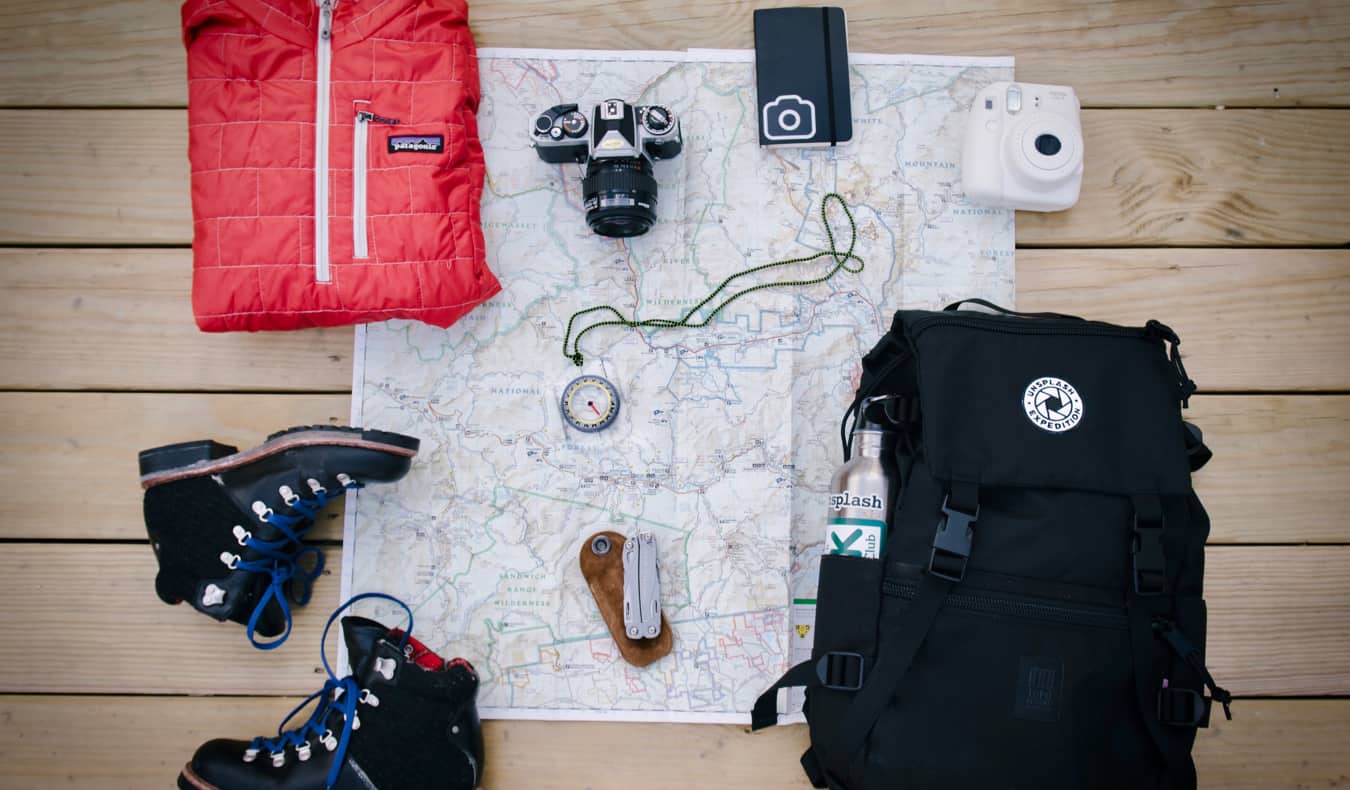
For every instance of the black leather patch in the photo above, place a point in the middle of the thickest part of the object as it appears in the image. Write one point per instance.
(1039, 683)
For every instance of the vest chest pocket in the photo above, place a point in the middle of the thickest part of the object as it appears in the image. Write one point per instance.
(399, 171)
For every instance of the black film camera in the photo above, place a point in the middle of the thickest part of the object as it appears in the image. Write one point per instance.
(618, 144)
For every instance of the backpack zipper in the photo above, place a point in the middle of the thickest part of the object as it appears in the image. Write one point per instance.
(324, 58)
(1189, 653)
(1026, 608)
(360, 138)
(1047, 326)
(1069, 326)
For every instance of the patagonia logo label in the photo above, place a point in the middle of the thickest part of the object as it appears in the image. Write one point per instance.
(416, 143)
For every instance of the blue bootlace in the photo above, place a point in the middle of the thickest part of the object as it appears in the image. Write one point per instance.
(340, 694)
(281, 558)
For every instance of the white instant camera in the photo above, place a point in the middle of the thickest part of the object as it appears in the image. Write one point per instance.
(1024, 147)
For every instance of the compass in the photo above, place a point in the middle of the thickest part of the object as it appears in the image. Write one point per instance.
(590, 403)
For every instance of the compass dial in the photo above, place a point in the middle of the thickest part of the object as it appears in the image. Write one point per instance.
(590, 403)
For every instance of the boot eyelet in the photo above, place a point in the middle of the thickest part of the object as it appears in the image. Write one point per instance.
(303, 751)
(250, 755)
(345, 480)
(264, 512)
(328, 740)
(368, 698)
(242, 535)
(278, 758)
(315, 486)
(287, 495)
(230, 560)
(356, 722)
(213, 595)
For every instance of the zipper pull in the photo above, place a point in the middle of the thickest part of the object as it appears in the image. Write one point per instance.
(326, 19)
(370, 117)
(1190, 654)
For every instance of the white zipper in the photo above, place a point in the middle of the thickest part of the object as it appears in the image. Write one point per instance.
(360, 138)
(325, 64)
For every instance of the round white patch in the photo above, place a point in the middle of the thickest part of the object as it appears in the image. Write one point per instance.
(1053, 404)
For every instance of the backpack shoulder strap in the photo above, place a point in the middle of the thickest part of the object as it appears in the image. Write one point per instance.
(902, 634)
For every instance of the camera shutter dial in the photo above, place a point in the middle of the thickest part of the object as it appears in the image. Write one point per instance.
(657, 119)
(573, 124)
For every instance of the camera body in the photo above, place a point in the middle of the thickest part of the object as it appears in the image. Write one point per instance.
(618, 143)
(1023, 147)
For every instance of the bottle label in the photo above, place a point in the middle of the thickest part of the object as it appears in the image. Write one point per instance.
(845, 499)
(856, 537)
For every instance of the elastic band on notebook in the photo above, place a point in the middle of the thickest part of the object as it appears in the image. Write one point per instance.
(829, 74)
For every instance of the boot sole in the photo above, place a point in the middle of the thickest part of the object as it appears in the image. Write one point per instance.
(172, 462)
(189, 780)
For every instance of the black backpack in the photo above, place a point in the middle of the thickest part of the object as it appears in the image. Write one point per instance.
(1036, 619)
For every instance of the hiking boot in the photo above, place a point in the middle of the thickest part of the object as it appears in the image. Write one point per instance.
(228, 527)
(405, 719)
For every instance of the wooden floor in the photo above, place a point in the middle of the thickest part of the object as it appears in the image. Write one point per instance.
(1217, 198)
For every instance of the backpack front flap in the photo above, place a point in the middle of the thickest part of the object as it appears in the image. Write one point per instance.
(1048, 403)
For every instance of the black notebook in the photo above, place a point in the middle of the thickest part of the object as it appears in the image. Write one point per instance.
(801, 75)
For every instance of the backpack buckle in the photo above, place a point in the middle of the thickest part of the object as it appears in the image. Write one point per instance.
(951, 542)
(840, 671)
(1180, 707)
(1150, 563)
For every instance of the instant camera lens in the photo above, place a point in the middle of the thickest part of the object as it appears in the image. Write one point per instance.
(1048, 145)
(620, 196)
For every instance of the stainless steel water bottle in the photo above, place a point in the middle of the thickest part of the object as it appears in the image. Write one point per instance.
(860, 490)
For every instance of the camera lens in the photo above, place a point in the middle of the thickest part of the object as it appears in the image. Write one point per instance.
(1048, 145)
(620, 196)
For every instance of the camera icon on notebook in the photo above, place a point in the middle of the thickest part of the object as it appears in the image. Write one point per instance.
(789, 117)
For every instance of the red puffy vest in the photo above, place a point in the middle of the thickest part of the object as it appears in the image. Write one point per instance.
(336, 166)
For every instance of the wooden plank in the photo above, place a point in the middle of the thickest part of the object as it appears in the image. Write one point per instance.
(1206, 178)
(91, 52)
(59, 441)
(84, 52)
(1279, 470)
(1154, 178)
(96, 319)
(1267, 319)
(121, 319)
(1277, 619)
(1276, 625)
(104, 177)
(130, 743)
(95, 607)
(1278, 474)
